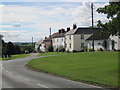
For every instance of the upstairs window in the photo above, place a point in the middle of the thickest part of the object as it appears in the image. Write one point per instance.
(82, 36)
(70, 37)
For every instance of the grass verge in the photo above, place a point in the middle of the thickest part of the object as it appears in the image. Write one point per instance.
(99, 68)
(16, 56)
(50, 53)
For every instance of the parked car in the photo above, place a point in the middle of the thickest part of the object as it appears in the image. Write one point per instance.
(26, 52)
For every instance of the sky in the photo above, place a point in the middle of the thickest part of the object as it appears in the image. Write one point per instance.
(23, 20)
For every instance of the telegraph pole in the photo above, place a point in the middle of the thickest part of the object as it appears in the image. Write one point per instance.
(92, 26)
(32, 41)
(50, 37)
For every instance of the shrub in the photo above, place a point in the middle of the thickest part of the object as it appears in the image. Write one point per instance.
(100, 49)
(90, 49)
(67, 51)
(85, 48)
(50, 48)
(74, 51)
(61, 49)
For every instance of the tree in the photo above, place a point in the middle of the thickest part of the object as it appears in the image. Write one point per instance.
(17, 49)
(10, 49)
(4, 52)
(113, 14)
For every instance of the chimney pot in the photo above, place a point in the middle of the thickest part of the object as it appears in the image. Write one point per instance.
(59, 31)
(74, 26)
(68, 29)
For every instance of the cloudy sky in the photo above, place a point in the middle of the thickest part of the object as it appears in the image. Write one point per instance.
(23, 20)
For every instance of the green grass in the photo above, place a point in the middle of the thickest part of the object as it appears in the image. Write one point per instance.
(17, 56)
(93, 67)
(50, 53)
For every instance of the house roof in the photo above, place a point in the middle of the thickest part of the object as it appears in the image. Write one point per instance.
(1, 36)
(98, 36)
(39, 42)
(83, 30)
(59, 35)
(52, 36)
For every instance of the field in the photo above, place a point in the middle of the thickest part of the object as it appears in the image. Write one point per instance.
(99, 68)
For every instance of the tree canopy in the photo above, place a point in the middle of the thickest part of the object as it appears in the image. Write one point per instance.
(113, 14)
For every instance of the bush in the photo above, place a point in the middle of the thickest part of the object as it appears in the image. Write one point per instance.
(74, 51)
(50, 48)
(67, 51)
(100, 49)
(118, 50)
(56, 50)
(90, 49)
(61, 49)
(85, 48)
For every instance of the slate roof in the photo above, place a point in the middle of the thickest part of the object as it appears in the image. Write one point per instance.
(1, 36)
(59, 35)
(98, 36)
(52, 36)
(39, 42)
(84, 30)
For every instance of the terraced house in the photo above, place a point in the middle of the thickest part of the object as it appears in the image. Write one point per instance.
(58, 41)
(77, 39)
(104, 42)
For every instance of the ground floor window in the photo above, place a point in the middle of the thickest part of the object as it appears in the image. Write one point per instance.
(82, 45)
(70, 45)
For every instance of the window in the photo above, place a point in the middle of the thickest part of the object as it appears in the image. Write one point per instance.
(62, 39)
(99, 43)
(82, 36)
(57, 40)
(70, 45)
(82, 45)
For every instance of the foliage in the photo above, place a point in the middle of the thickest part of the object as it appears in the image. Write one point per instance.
(61, 49)
(9, 49)
(100, 49)
(113, 14)
(28, 48)
(50, 48)
(90, 49)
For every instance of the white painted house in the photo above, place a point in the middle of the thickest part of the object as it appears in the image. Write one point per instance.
(76, 38)
(59, 40)
(40, 46)
(104, 42)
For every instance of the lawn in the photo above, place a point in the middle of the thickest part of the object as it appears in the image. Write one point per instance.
(17, 56)
(91, 67)
(50, 53)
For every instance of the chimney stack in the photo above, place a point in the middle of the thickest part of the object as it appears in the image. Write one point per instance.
(74, 26)
(68, 29)
(62, 30)
(45, 37)
(59, 31)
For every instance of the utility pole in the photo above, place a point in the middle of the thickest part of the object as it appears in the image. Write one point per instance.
(92, 26)
(32, 41)
(50, 37)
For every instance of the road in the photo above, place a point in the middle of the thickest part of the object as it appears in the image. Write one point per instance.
(16, 75)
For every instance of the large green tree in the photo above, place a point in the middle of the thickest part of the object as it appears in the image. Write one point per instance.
(113, 14)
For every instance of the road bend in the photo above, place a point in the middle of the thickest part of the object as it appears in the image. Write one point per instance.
(16, 75)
